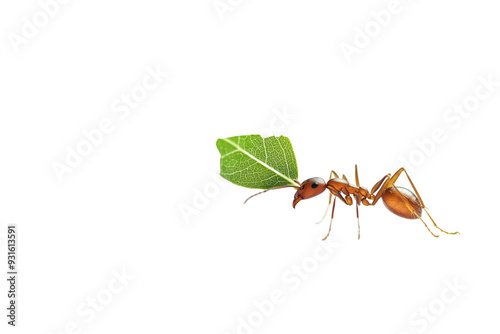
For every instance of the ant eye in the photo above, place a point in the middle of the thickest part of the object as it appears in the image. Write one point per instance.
(314, 185)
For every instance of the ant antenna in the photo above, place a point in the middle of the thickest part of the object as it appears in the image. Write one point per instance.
(268, 190)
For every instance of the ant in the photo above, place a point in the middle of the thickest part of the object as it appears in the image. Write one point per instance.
(398, 200)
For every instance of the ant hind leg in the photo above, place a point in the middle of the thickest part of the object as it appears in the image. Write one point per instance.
(395, 177)
(439, 228)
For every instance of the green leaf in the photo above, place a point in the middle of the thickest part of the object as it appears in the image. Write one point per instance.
(256, 162)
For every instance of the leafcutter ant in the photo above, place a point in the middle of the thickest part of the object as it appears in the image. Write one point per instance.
(398, 200)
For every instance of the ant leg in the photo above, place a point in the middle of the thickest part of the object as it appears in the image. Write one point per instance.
(356, 174)
(387, 184)
(331, 220)
(358, 199)
(329, 199)
(338, 194)
(358, 202)
(326, 211)
(395, 177)
(357, 214)
(439, 228)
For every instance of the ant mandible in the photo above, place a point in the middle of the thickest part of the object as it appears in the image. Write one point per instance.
(398, 200)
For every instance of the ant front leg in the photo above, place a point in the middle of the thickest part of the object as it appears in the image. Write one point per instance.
(331, 220)
(326, 211)
(358, 202)
(358, 198)
(329, 200)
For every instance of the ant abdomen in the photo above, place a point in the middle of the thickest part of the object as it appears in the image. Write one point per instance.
(396, 204)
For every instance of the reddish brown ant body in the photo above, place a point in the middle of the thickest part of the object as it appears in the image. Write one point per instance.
(398, 200)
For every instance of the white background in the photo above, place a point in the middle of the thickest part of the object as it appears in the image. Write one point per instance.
(120, 208)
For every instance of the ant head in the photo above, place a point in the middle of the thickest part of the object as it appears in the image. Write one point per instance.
(309, 188)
